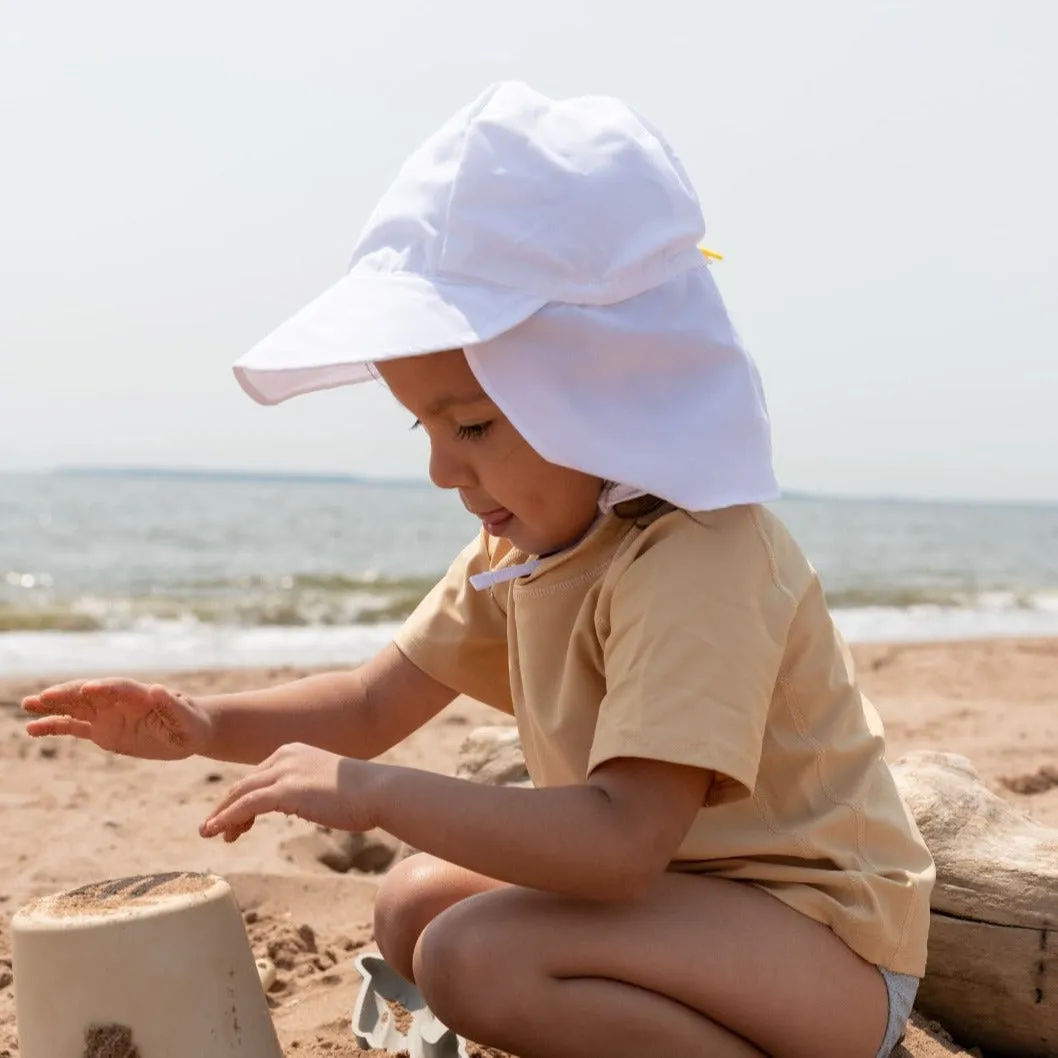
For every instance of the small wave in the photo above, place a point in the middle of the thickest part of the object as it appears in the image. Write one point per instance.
(293, 601)
(178, 645)
(94, 614)
(46, 620)
(326, 582)
(900, 597)
(311, 601)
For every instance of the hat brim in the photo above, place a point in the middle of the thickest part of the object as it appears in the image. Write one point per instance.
(370, 316)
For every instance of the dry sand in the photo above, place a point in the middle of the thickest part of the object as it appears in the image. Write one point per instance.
(72, 815)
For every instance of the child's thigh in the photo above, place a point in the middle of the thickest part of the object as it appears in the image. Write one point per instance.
(726, 949)
(413, 893)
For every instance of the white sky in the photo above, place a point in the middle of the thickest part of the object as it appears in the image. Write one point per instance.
(175, 179)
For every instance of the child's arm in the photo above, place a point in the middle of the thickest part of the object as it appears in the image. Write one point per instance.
(358, 713)
(606, 840)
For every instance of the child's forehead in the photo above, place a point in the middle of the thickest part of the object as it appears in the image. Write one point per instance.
(437, 382)
(447, 401)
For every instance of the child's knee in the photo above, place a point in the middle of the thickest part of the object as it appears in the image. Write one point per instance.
(403, 907)
(411, 895)
(455, 965)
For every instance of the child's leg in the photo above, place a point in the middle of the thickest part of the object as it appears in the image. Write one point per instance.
(413, 894)
(700, 966)
(419, 889)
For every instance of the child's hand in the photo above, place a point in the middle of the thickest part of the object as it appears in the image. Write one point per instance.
(122, 716)
(297, 780)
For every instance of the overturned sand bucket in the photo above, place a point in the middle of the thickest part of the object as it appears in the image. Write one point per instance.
(157, 966)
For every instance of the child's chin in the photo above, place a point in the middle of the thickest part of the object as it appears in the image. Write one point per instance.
(513, 533)
(516, 534)
(531, 543)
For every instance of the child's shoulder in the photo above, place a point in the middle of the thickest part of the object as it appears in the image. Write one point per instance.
(749, 528)
(747, 545)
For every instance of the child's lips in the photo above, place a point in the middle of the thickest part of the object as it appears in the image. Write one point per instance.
(494, 521)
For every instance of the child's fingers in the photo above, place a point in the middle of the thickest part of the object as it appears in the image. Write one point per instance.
(62, 690)
(85, 699)
(238, 814)
(237, 832)
(117, 693)
(260, 777)
(115, 689)
(73, 706)
(44, 701)
(59, 725)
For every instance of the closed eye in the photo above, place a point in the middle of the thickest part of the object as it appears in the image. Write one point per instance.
(469, 432)
(473, 431)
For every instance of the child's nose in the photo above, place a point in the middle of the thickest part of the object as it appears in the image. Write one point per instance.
(448, 470)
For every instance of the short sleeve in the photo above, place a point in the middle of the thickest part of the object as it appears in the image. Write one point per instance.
(458, 635)
(697, 627)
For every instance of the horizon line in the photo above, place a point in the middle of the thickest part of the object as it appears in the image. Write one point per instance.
(340, 477)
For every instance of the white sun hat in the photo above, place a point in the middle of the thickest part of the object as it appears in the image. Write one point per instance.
(557, 243)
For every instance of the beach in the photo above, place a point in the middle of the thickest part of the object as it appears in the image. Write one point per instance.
(73, 814)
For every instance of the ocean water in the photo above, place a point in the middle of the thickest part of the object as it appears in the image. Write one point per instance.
(117, 573)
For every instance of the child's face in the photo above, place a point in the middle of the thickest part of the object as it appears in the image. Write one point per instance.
(538, 506)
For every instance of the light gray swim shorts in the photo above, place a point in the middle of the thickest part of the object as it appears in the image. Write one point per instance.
(902, 989)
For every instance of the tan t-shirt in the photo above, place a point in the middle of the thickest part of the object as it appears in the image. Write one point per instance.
(701, 639)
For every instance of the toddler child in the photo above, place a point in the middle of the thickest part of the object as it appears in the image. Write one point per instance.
(714, 858)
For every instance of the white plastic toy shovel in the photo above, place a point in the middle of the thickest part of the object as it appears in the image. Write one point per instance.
(391, 1015)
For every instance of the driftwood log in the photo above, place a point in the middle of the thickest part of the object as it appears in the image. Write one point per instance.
(993, 951)
(992, 977)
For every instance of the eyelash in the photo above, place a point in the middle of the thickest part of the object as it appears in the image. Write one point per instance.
(472, 432)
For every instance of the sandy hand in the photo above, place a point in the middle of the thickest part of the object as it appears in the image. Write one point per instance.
(122, 716)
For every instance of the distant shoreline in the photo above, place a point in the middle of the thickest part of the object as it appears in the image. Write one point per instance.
(297, 477)
(286, 477)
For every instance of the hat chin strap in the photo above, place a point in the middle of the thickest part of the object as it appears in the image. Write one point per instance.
(612, 494)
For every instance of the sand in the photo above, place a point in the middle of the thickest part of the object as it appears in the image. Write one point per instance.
(110, 1041)
(73, 815)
